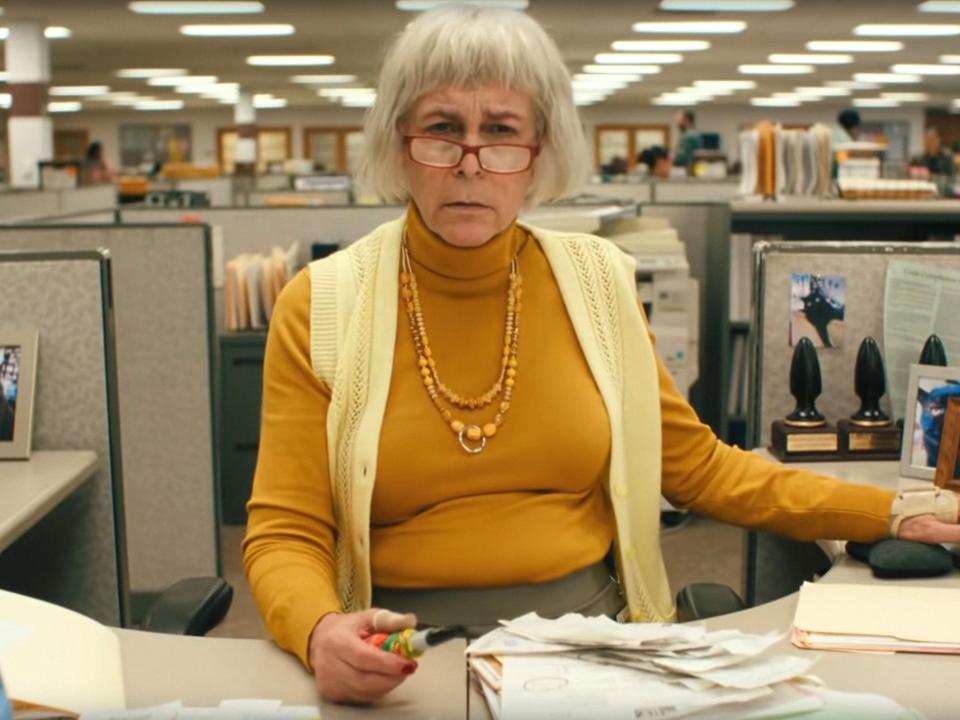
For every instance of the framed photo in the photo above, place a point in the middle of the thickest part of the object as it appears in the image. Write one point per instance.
(928, 392)
(18, 370)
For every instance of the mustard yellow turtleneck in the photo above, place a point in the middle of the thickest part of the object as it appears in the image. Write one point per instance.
(532, 506)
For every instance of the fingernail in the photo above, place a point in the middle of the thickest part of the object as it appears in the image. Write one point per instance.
(409, 669)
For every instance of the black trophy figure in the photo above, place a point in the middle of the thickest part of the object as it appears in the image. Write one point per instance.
(933, 352)
(869, 382)
(805, 386)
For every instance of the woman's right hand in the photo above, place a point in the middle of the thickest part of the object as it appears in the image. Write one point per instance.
(348, 669)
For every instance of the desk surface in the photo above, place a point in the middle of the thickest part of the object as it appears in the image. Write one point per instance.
(29, 489)
(202, 671)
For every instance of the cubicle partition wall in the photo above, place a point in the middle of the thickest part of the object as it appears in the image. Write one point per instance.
(775, 566)
(23, 205)
(704, 230)
(75, 555)
(164, 330)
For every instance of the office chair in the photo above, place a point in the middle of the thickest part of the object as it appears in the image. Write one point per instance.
(192, 606)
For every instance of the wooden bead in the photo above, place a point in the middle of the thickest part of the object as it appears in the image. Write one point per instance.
(474, 433)
(490, 429)
(447, 415)
(511, 372)
(504, 406)
(513, 362)
(427, 380)
(509, 382)
(456, 426)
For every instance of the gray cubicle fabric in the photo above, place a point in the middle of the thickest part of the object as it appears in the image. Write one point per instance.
(22, 205)
(864, 265)
(163, 330)
(70, 557)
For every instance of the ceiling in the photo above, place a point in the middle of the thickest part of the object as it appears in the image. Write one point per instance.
(107, 36)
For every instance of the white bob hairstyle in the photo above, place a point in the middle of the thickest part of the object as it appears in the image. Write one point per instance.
(467, 46)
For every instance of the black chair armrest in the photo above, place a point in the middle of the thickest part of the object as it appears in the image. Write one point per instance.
(192, 606)
(699, 601)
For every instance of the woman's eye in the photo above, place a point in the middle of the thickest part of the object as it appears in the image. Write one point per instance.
(441, 128)
(502, 130)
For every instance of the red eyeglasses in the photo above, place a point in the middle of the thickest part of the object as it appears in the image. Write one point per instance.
(498, 158)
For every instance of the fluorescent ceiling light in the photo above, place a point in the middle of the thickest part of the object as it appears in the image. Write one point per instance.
(210, 88)
(852, 84)
(145, 73)
(726, 84)
(78, 90)
(915, 69)
(725, 5)
(113, 96)
(798, 97)
(54, 32)
(939, 6)
(596, 79)
(343, 92)
(775, 69)
(207, 7)
(660, 45)
(875, 103)
(906, 30)
(823, 91)
(707, 27)
(64, 106)
(706, 92)
(810, 58)
(289, 60)
(582, 85)
(773, 102)
(130, 101)
(637, 58)
(884, 78)
(323, 79)
(617, 69)
(177, 80)
(267, 103)
(905, 96)
(6, 101)
(855, 45)
(251, 30)
(360, 102)
(675, 102)
(950, 59)
(421, 5)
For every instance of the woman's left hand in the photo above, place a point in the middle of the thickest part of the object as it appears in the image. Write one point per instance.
(927, 529)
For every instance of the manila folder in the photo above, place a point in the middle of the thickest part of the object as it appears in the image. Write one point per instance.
(58, 658)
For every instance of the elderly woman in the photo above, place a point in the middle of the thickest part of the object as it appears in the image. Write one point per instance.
(464, 414)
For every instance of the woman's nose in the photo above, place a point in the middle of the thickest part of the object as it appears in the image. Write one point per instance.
(469, 164)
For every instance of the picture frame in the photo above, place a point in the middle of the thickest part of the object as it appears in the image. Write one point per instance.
(18, 370)
(928, 391)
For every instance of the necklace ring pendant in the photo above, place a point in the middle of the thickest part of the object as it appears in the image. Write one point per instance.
(465, 443)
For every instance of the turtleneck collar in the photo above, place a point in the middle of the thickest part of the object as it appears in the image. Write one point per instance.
(429, 250)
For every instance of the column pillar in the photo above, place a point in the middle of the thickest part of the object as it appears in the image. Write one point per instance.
(29, 129)
(244, 115)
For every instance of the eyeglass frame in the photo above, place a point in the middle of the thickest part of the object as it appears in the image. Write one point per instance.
(471, 150)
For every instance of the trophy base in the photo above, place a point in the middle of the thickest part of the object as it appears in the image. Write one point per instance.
(804, 444)
(869, 443)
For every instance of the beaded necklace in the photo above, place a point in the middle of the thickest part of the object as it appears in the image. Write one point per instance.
(473, 438)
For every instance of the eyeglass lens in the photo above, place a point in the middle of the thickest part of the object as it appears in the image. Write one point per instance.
(495, 158)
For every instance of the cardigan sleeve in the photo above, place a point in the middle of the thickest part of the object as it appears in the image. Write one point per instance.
(702, 473)
(289, 549)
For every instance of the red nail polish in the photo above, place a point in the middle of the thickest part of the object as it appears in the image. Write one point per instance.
(409, 669)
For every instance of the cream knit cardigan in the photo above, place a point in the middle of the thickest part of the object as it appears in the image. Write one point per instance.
(353, 325)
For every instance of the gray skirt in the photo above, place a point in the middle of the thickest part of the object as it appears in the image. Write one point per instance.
(591, 591)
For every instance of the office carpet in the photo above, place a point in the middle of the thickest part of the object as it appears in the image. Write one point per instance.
(701, 550)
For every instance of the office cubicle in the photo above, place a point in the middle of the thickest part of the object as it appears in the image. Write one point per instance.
(776, 566)
(165, 375)
(75, 555)
(23, 205)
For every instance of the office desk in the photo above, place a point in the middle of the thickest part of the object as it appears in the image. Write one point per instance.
(29, 489)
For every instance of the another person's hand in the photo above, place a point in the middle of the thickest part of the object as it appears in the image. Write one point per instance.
(926, 528)
(349, 670)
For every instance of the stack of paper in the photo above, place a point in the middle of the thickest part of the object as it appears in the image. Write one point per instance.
(227, 710)
(252, 284)
(878, 618)
(579, 667)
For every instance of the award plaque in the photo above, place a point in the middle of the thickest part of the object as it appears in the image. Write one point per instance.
(804, 434)
(869, 433)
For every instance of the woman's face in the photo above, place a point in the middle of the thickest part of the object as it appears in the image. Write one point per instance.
(465, 205)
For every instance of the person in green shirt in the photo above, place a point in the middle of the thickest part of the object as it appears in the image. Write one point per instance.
(690, 140)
